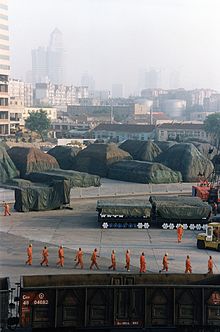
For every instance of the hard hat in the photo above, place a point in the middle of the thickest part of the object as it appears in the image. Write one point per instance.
(166, 253)
(30, 245)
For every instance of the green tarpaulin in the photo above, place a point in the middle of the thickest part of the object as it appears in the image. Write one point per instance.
(7, 167)
(180, 207)
(128, 208)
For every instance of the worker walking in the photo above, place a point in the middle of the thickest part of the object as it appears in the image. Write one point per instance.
(210, 265)
(94, 259)
(79, 258)
(179, 233)
(61, 257)
(113, 260)
(6, 209)
(165, 263)
(143, 265)
(29, 255)
(188, 265)
(127, 260)
(45, 255)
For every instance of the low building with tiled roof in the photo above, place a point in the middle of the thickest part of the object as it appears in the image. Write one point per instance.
(121, 132)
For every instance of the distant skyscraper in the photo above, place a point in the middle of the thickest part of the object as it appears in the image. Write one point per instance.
(174, 79)
(117, 91)
(4, 69)
(88, 80)
(55, 57)
(152, 79)
(39, 65)
(47, 64)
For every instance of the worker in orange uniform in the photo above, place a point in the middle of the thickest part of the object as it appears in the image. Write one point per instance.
(94, 259)
(6, 209)
(188, 265)
(143, 265)
(61, 257)
(113, 260)
(45, 255)
(210, 265)
(127, 260)
(29, 255)
(79, 258)
(179, 233)
(165, 263)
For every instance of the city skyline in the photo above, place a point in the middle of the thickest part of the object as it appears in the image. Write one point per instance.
(113, 40)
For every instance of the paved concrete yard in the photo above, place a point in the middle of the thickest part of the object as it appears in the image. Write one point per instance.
(79, 227)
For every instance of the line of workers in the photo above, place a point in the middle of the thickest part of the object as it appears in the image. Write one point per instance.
(79, 260)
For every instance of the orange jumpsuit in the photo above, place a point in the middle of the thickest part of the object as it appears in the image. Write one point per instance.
(179, 233)
(29, 254)
(45, 255)
(128, 260)
(188, 266)
(210, 266)
(79, 259)
(113, 260)
(165, 263)
(6, 210)
(61, 257)
(94, 260)
(143, 266)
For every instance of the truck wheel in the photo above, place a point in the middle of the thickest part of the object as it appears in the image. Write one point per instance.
(200, 244)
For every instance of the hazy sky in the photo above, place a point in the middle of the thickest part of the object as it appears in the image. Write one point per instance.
(113, 39)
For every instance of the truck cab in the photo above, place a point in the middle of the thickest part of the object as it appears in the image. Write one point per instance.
(210, 239)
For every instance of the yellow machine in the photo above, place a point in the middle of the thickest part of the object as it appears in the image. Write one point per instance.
(210, 239)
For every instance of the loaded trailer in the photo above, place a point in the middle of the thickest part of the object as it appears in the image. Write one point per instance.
(167, 212)
(115, 302)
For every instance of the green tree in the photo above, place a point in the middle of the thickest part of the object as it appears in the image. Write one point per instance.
(212, 126)
(38, 122)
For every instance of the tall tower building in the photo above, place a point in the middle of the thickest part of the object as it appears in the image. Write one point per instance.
(39, 65)
(4, 70)
(55, 57)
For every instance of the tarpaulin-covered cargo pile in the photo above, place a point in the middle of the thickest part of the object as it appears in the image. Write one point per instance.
(216, 162)
(185, 158)
(96, 158)
(124, 207)
(206, 149)
(143, 172)
(165, 145)
(191, 208)
(141, 150)
(39, 197)
(29, 160)
(7, 167)
(64, 155)
(76, 179)
(4, 145)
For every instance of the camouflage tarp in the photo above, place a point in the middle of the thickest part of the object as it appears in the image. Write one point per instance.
(96, 158)
(29, 160)
(7, 167)
(41, 197)
(64, 155)
(165, 145)
(141, 150)
(124, 207)
(76, 179)
(180, 207)
(185, 158)
(143, 172)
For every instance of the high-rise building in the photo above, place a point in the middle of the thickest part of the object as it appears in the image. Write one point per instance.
(88, 80)
(39, 65)
(55, 57)
(117, 90)
(47, 64)
(4, 69)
